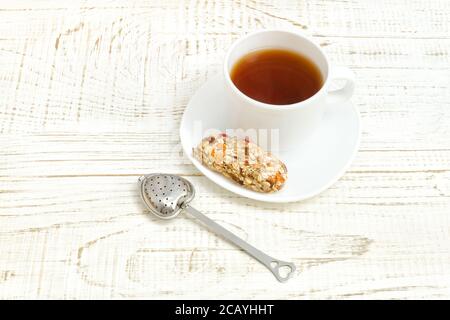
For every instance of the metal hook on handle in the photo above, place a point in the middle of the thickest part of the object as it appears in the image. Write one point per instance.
(276, 266)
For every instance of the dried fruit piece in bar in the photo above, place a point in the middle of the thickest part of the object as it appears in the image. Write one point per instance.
(243, 161)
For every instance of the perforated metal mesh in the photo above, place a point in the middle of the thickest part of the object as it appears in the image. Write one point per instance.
(165, 194)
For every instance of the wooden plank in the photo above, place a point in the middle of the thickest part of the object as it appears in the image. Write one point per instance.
(94, 230)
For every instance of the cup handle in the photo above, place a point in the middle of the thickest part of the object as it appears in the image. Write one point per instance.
(342, 94)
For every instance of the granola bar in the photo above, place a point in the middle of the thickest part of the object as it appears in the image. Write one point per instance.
(243, 161)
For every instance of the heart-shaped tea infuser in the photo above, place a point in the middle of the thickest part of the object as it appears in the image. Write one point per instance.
(166, 195)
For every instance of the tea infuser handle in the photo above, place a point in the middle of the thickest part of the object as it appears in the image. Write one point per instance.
(342, 94)
(274, 265)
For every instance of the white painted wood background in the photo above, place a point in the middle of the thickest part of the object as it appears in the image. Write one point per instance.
(91, 96)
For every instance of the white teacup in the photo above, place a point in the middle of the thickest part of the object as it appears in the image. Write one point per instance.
(288, 125)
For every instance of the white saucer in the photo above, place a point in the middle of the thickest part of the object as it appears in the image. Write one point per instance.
(313, 165)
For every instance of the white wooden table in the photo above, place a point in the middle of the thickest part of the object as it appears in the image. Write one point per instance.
(91, 96)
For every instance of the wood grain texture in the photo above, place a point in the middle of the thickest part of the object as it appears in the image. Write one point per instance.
(91, 95)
